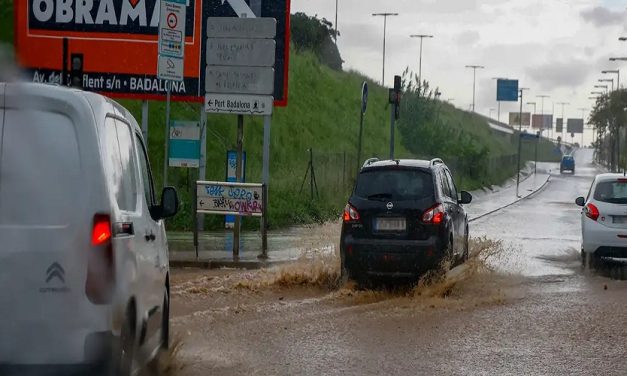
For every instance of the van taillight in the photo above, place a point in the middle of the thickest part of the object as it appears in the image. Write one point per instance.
(100, 282)
(101, 232)
(434, 216)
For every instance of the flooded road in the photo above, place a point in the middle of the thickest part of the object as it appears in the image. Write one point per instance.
(523, 305)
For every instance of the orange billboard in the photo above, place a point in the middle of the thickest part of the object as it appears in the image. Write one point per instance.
(118, 40)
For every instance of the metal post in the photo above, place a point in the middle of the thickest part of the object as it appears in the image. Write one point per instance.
(311, 173)
(145, 122)
(474, 87)
(392, 120)
(202, 168)
(420, 70)
(519, 144)
(64, 61)
(499, 111)
(336, 8)
(265, 177)
(167, 134)
(195, 219)
(238, 177)
(359, 142)
(385, 26)
(535, 161)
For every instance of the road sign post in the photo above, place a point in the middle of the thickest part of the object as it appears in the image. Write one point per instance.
(241, 53)
(362, 112)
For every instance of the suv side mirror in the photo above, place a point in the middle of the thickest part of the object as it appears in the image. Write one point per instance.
(169, 204)
(466, 198)
(580, 201)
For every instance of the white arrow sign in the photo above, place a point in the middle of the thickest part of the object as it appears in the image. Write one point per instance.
(241, 8)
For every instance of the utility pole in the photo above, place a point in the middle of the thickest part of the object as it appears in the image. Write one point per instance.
(521, 90)
(422, 37)
(474, 82)
(563, 104)
(336, 8)
(543, 97)
(385, 26)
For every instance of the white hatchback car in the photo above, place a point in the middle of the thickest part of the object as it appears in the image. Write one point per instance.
(83, 251)
(604, 219)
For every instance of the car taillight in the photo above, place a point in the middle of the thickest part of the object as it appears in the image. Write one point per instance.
(101, 232)
(100, 282)
(434, 216)
(592, 212)
(350, 214)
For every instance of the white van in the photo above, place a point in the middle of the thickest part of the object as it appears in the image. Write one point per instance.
(84, 269)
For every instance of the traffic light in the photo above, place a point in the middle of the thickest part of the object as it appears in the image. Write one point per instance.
(397, 96)
(76, 71)
(397, 84)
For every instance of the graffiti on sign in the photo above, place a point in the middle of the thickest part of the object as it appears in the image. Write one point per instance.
(230, 198)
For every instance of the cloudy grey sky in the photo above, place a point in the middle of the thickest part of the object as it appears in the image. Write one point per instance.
(554, 47)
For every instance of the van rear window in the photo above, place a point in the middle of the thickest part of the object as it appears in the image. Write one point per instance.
(40, 169)
(394, 184)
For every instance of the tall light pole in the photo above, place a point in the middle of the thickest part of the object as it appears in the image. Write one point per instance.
(422, 37)
(336, 8)
(583, 116)
(385, 26)
(563, 104)
(543, 97)
(521, 91)
(474, 82)
(608, 80)
(534, 106)
(602, 87)
(614, 71)
(491, 111)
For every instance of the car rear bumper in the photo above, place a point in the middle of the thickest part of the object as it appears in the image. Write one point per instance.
(598, 239)
(391, 258)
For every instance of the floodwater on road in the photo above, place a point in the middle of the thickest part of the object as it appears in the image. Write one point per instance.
(521, 306)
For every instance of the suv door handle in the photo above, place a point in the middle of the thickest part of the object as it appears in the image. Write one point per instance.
(150, 237)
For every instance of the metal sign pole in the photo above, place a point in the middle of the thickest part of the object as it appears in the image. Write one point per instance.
(196, 217)
(392, 120)
(267, 125)
(519, 145)
(167, 134)
(238, 176)
(202, 166)
(145, 122)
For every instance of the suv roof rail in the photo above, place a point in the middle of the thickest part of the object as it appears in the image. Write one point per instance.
(436, 161)
(370, 161)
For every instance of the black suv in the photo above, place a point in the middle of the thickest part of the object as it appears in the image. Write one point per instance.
(403, 218)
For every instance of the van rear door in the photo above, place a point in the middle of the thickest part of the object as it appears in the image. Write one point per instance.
(49, 187)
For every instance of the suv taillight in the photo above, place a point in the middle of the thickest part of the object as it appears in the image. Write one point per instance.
(434, 216)
(591, 212)
(350, 214)
(100, 264)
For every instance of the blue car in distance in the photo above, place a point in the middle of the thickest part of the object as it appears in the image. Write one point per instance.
(567, 164)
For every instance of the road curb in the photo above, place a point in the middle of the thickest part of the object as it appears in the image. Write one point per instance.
(548, 179)
(225, 264)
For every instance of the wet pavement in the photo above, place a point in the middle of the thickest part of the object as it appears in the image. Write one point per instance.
(521, 306)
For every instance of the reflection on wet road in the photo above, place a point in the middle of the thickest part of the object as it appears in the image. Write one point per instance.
(523, 306)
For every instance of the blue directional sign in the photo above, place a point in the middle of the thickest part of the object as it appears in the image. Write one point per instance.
(507, 90)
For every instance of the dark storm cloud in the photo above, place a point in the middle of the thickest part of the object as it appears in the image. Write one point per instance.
(601, 17)
(556, 75)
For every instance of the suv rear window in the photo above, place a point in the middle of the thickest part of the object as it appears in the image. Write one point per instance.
(613, 192)
(397, 184)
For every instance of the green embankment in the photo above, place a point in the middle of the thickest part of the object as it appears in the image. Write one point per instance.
(323, 114)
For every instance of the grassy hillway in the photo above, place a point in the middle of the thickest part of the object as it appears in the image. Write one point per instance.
(323, 114)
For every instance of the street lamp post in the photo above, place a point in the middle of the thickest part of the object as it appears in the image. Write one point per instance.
(422, 37)
(521, 91)
(583, 116)
(563, 104)
(336, 8)
(602, 87)
(385, 26)
(614, 71)
(474, 82)
(491, 111)
(607, 80)
(543, 97)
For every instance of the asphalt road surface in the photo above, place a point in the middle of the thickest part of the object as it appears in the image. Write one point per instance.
(523, 306)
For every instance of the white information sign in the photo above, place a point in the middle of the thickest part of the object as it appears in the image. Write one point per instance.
(171, 40)
(229, 198)
(239, 104)
(171, 68)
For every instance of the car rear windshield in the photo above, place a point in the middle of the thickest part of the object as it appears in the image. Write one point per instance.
(394, 184)
(614, 192)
